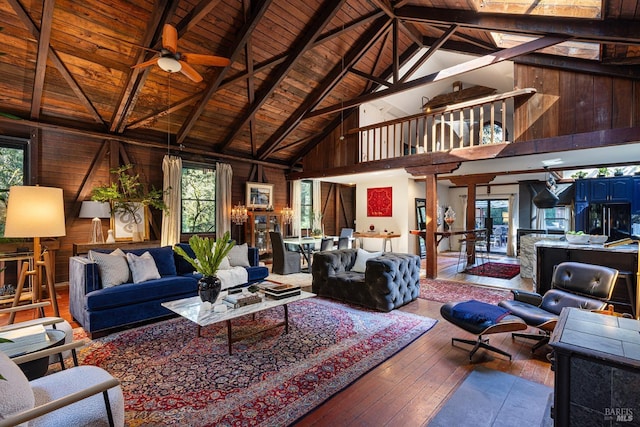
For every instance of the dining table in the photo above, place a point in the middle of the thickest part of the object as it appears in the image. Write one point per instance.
(385, 236)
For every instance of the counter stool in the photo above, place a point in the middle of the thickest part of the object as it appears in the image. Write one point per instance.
(479, 322)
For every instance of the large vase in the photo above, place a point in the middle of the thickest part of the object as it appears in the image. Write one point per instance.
(209, 288)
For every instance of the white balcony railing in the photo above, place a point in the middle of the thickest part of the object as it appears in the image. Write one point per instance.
(472, 123)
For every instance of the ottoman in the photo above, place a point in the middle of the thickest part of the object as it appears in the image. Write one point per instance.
(480, 318)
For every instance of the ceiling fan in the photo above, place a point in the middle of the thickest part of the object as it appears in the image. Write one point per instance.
(172, 61)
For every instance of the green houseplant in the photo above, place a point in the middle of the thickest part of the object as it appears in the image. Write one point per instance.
(208, 255)
(126, 194)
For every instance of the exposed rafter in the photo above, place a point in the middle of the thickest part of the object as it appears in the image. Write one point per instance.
(238, 48)
(327, 11)
(41, 62)
(471, 65)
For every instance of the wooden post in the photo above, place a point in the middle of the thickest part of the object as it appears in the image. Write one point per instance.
(431, 210)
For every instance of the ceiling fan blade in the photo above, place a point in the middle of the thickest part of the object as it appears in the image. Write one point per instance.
(170, 38)
(146, 63)
(190, 72)
(210, 60)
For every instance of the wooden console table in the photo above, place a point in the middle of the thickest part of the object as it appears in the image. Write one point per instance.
(386, 238)
(83, 248)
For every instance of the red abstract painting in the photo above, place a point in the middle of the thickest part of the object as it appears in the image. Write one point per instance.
(379, 201)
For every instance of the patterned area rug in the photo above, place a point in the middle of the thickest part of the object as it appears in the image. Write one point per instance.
(169, 376)
(495, 269)
(446, 291)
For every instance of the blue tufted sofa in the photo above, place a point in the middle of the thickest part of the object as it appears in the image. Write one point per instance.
(390, 280)
(100, 309)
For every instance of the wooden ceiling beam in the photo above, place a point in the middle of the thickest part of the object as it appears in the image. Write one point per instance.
(364, 43)
(474, 64)
(212, 86)
(406, 56)
(148, 120)
(251, 91)
(375, 79)
(326, 13)
(57, 62)
(160, 15)
(433, 169)
(617, 31)
(432, 49)
(41, 59)
(279, 59)
(466, 180)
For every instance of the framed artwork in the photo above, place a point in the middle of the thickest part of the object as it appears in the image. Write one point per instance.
(259, 195)
(379, 201)
(123, 223)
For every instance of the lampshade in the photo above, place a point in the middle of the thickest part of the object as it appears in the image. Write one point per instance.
(35, 212)
(169, 64)
(91, 209)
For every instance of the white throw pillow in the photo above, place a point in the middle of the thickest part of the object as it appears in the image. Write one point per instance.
(15, 390)
(239, 256)
(225, 264)
(113, 267)
(361, 260)
(142, 267)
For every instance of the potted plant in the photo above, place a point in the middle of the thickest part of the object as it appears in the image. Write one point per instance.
(126, 194)
(602, 172)
(579, 175)
(207, 257)
(618, 172)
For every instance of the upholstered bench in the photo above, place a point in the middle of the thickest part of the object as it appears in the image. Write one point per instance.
(480, 318)
(382, 281)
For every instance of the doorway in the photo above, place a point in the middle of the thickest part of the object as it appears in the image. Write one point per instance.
(493, 214)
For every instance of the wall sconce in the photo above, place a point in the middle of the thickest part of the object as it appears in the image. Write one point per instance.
(287, 215)
(239, 214)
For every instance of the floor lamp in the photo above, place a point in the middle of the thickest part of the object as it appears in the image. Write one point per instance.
(35, 212)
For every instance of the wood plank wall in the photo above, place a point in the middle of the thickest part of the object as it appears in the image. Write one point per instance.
(65, 160)
(569, 102)
(332, 151)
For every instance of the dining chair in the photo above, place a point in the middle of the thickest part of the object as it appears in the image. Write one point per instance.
(284, 261)
(326, 244)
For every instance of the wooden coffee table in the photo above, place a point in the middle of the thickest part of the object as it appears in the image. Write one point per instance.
(194, 310)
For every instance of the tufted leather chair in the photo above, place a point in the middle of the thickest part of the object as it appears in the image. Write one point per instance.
(390, 280)
(573, 284)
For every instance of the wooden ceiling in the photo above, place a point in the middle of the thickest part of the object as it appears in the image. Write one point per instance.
(295, 64)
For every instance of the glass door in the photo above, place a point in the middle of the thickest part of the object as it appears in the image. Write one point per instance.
(493, 214)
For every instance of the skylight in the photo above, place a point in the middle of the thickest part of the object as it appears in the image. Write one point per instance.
(587, 9)
(581, 50)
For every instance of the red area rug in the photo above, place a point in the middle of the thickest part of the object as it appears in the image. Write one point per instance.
(495, 269)
(170, 376)
(446, 291)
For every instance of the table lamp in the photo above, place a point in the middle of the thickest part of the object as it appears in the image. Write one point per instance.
(95, 210)
(35, 212)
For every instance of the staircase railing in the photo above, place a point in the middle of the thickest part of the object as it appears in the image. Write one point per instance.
(467, 124)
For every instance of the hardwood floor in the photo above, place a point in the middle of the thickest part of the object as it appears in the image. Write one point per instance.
(409, 388)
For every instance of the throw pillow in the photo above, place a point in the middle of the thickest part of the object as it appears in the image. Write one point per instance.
(239, 256)
(225, 264)
(361, 260)
(113, 267)
(15, 390)
(142, 267)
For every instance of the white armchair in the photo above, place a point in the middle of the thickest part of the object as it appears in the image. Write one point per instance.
(77, 396)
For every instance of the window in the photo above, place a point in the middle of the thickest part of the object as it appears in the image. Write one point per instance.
(13, 170)
(198, 199)
(556, 219)
(306, 205)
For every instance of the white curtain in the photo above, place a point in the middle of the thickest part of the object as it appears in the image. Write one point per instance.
(172, 172)
(539, 213)
(513, 225)
(224, 175)
(317, 196)
(296, 190)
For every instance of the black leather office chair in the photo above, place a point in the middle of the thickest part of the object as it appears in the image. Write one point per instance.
(284, 261)
(573, 284)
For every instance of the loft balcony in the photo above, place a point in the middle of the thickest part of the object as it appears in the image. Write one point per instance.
(478, 122)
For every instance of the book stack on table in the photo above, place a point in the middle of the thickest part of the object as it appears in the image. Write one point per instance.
(240, 300)
(279, 290)
(22, 338)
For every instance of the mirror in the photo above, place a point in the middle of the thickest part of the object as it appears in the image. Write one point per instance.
(421, 214)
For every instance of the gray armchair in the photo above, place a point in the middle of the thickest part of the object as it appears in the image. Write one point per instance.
(284, 261)
(573, 284)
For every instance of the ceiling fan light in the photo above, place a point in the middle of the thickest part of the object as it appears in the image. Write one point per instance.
(169, 64)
